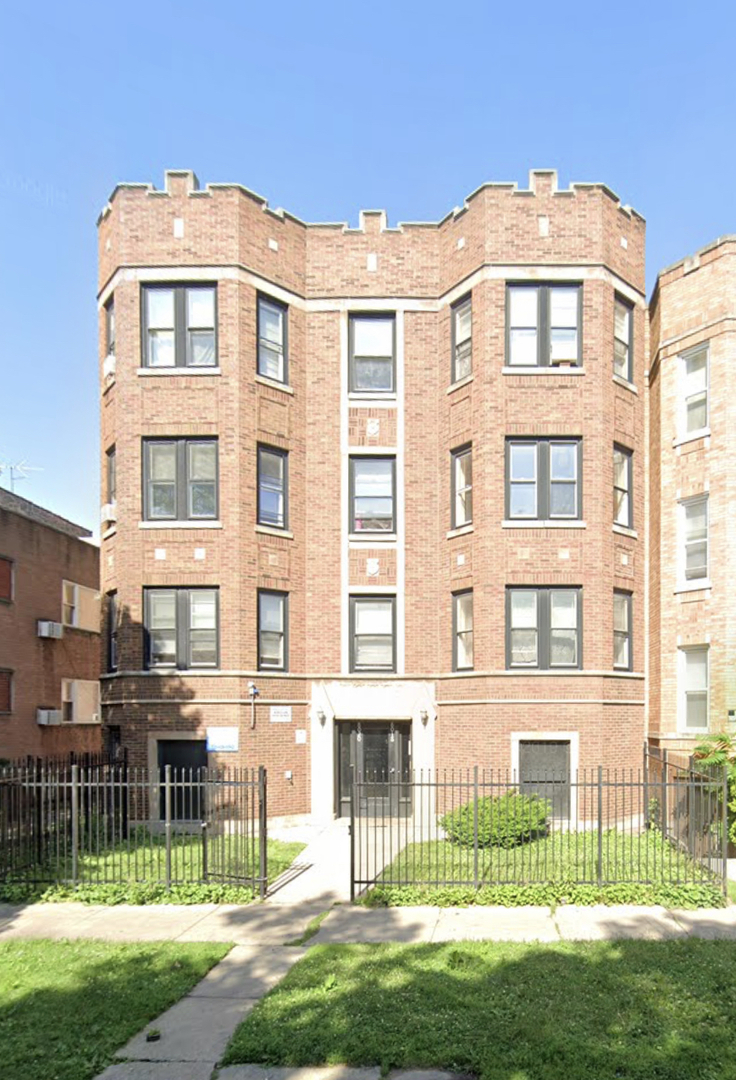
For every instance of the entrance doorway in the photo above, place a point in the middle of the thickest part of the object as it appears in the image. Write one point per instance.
(186, 757)
(379, 754)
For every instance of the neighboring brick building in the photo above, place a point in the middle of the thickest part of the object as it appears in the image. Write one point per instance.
(692, 636)
(49, 633)
(371, 471)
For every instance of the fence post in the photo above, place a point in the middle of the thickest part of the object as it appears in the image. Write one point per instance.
(645, 793)
(75, 825)
(475, 825)
(600, 827)
(665, 811)
(205, 869)
(167, 823)
(352, 840)
(724, 827)
(262, 832)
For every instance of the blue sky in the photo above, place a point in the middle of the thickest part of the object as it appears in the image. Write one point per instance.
(324, 108)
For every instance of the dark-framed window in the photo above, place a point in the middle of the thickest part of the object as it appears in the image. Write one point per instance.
(112, 631)
(182, 627)
(180, 479)
(273, 630)
(110, 326)
(462, 630)
(622, 486)
(372, 494)
(179, 324)
(461, 484)
(272, 333)
(6, 691)
(543, 325)
(462, 339)
(372, 633)
(543, 479)
(544, 627)
(6, 580)
(372, 342)
(623, 338)
(111, 475)
(273, 487)
(622, 631)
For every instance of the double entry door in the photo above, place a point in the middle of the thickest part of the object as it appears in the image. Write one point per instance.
(378, 756)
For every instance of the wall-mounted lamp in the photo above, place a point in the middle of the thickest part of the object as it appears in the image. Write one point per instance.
(322, 717)
(424, 717)
(253, 693)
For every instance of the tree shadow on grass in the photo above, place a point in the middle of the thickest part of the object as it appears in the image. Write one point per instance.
(67, 1006)
(635, 1010)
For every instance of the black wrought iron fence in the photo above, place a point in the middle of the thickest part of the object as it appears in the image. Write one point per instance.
(663, 824)
(109, 824)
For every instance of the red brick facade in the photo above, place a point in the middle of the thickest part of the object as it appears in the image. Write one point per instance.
(324, 273)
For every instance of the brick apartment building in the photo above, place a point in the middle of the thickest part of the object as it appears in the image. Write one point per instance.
(49, 633)
(393, 479)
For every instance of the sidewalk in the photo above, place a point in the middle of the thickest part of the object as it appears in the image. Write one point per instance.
(276, 924)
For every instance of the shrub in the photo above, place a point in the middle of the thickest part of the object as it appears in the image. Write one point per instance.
(503, 821)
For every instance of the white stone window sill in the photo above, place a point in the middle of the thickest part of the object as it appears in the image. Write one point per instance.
(179, 524)
(109, 532)
(621, 381)
(373, 538)
(693, 586)
(365, 395)
(624, 530)
(263, 380)
(269, 530)
(461, 530)
(180, 371)
(542, 370)
(692, 436)
(543, 524)
(459, 383)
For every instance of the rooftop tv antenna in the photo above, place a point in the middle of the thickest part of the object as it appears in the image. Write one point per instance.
(16, 470)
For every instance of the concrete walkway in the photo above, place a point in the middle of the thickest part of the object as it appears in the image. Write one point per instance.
(320, 874)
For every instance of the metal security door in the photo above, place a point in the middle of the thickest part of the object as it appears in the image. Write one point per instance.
(379, 755)
(544, 770)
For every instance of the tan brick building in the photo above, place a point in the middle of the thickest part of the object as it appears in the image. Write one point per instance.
(394, 477)
(49, 633)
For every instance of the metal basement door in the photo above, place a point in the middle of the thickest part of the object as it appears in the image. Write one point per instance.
(380, 755)
(544, 769)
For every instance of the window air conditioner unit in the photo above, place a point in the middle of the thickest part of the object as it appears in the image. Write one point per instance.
(50, 629)
(108, 513)
(48, 717)
(95, 718)
(108, 368)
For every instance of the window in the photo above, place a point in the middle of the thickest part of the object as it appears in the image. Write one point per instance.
(111, 475)
(110, 326)
(80, 701)
(69, 604)
(372, 485)
(6, 580)
(372, 633)
(272, 339)
(182, 627)
(462, 340)
(622, 655)
(623, 335)
(6, 691)
(180, 479)
(273, 610)
(462, 487)
(543, 325)
(372, 353)
(112, 631)
(542, 478)
(694, 545)
(179, 326)
(622, 487)
(272, 487)
(694, 688)
(462, 620)
(694, 376)
(80, 607)
(67, 701)
(543, 628)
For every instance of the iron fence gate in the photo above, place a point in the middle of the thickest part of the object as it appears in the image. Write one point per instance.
(663, 824)
(111, 824)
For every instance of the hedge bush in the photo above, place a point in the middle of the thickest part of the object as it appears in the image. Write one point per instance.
(504, 821)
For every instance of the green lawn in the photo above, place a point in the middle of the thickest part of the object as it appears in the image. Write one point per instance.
(134, 872)
(67, 1006)
(552, 869)
(636, 1010)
